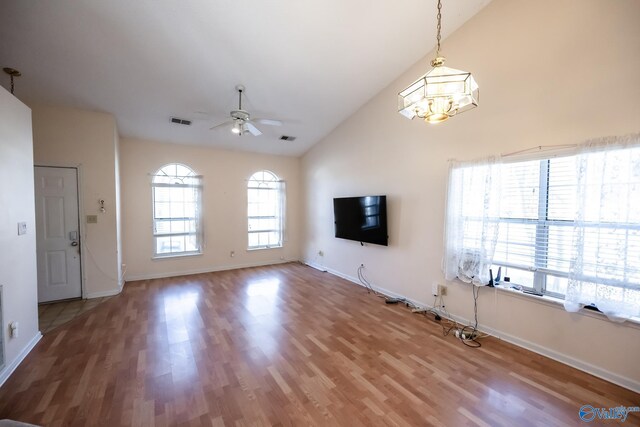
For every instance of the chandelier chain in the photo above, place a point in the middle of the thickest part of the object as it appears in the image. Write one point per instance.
(439, 26)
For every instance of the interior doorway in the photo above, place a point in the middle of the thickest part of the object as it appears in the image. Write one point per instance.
(57, 233)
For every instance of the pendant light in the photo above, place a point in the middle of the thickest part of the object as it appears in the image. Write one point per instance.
(441, 93)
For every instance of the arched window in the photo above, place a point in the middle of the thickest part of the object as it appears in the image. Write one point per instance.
(265, 197)
(177, 211)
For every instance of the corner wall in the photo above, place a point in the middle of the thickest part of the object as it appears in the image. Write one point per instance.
(87, 140)
(18, 270)
(550, 72)
(224, 207)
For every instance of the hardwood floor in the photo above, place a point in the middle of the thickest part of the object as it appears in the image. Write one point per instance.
(284, 345)
(52, 315)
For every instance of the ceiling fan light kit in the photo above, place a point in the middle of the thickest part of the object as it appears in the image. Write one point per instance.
(241, 119)
(441, 93)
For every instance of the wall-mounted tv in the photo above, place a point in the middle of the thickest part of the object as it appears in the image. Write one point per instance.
(363, 219)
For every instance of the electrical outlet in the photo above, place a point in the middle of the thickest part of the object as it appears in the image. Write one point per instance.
(435, 289)
(232, 254)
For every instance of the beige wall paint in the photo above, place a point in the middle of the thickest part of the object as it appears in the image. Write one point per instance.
(550, 72)
(88, 140)
(18, 270)
(224, 206)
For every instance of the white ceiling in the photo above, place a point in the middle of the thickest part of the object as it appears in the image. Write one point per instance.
(308, 63)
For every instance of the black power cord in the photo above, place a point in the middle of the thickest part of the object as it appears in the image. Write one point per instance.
(446, 330)
(473, 330)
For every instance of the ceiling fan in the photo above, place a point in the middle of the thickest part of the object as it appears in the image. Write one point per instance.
(241, 119)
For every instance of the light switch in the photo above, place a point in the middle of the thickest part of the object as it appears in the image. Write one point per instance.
(22, 228)
(92, 219)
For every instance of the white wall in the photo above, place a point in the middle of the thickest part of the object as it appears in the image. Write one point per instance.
(118, 212)
(88, 140)
(550, 72)
(18, 271)
(224, 206)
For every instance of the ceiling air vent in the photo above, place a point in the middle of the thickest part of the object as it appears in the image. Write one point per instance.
(180, 121)
(287, 138)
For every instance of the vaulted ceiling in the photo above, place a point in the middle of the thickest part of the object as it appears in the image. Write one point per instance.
(308, 63)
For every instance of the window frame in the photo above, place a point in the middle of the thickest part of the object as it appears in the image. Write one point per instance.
(540, 270)
(279, 209)
(541, 222)
(197, 233)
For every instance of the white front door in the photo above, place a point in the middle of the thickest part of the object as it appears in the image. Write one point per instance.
(57, 233)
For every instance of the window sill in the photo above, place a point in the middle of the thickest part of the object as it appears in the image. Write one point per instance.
(559, 303)
(160, 257)
(264, 248)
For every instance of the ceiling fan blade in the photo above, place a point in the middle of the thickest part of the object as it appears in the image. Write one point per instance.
(252, 129)
(221, 124)
(269, 122)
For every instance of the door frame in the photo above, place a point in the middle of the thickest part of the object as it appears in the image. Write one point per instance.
(81, 217)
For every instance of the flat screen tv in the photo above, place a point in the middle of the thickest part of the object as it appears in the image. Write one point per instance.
(363, 219)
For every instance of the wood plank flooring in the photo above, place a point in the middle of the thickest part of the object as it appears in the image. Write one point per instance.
(284, 345)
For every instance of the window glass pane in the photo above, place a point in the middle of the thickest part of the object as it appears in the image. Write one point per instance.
(274, 238)
(253, 209)
(177, 243)
(557, 285)
(162, 194)
(178, 226)
(563, 181)
(191, 243)
(183, 171)
(519, 277)
(162, 210)
(516, 244)
(177, 194)
(520, 185)
(163, 245)
(559, 247)
(604, 252)
(162, 227)
(177, 210)
(189, 210)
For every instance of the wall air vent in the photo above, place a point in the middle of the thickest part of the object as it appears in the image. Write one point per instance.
(180, 121)
(287, 138)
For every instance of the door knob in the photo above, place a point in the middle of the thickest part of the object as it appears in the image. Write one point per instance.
(74, 243)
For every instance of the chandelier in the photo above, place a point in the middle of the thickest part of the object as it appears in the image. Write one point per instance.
(441, 93)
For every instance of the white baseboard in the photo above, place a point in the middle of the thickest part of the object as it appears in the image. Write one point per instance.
(596, 371)
(8, 370)
(150, 276)
(544, 351)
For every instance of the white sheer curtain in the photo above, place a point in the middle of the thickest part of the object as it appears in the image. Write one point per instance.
(282, 192)
(472, 220)
(605, 264)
